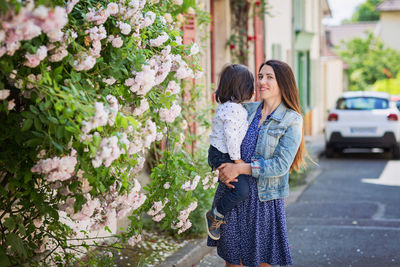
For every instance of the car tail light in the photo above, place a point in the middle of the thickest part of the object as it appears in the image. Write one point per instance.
(333, 117)
(393, 117)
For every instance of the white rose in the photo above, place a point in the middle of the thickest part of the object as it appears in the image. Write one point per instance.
(112, 8)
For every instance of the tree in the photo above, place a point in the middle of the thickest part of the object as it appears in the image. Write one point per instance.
(391, 85)
(366, 11)
(369, 61)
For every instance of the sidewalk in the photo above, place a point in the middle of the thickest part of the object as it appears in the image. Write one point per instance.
(196, 253)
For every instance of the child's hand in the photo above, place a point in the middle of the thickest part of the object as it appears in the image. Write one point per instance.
(238, 161)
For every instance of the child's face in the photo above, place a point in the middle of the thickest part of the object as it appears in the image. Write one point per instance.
(269, 89)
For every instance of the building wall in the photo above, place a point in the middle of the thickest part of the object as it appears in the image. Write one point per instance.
(332, 84)
(278, 31)
(286, 19)
(389, 29)
(313, 24)
(220, 35)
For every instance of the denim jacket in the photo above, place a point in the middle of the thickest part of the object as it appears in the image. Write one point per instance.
(279, 138)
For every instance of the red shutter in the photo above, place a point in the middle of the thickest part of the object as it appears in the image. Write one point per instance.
(258, 46)
(189, 36)
(189, 30)
(212, 36)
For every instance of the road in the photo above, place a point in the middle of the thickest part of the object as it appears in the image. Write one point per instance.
(349, 216)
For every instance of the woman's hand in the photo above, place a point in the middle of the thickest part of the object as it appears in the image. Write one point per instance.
(227, 174)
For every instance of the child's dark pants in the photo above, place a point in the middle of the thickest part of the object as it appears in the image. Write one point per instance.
(235, 195)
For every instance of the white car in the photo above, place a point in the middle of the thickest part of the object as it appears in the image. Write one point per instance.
(363, 120)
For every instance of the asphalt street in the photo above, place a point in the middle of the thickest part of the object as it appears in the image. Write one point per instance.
(349, 216)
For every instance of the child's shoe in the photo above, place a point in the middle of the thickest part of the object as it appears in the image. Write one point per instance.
(213, 223)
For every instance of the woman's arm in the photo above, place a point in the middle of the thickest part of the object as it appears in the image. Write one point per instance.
(261, 168)
(229, 171)
(284, 154)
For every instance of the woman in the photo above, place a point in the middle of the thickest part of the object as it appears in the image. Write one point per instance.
(255, 231)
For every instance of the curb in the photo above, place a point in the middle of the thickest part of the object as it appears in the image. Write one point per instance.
(189, 255)
(295, 194)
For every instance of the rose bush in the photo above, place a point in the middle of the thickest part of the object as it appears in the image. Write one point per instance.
(86, 88)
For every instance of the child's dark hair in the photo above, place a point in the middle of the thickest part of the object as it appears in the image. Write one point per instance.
(236, 84)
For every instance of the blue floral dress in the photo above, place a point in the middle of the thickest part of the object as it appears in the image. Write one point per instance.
(255, 231)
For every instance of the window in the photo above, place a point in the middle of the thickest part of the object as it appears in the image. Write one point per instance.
(362, 103)
(299, 15)
(303, 78)
(277, 51)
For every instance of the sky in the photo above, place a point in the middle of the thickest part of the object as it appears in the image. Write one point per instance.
(341, 9)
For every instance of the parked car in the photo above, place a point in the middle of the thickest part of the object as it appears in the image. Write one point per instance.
(363, 120)
(396, 100)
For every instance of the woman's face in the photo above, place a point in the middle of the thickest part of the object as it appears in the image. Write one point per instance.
(269, 89)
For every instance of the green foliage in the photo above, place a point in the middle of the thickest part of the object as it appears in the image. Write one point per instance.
(391, 86)
(369, 61)
(185, 157)
(366, 11)
(46, 117)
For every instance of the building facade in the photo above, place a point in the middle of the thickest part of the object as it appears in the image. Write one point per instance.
(388, 28)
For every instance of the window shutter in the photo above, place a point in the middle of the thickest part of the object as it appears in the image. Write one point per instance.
(189, 36)
(189, 30)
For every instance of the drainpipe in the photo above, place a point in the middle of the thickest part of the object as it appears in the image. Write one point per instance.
(293, 53)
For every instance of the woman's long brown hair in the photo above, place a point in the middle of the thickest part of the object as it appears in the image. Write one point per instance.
(290, 95)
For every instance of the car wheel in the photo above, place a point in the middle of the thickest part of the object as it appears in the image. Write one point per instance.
(396, 151)
(329, 151)
(339, 150)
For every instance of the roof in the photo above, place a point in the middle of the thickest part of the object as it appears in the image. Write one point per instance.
(349, 31)
(326, 10)
(365, 94)
(326, 50)
(389, 5)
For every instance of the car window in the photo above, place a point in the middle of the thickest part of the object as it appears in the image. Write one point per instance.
(362, 103)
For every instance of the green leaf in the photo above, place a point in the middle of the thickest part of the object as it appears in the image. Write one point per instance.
(79, 201)
(3, 192)
(38, 134)
(27, 115)
(43, 119)
(59, 105)
(42, 106)
(38, 124)
(175, 33)
(108, 229)
(4, 261)
(26, 125)
(34, 109)
(17, 245)
(53, 120)
(133, 121)
(10, 223)
(33, 142)
(47, 105)
(71, 129)
(60, 132)
(57, 70)
(102, 188)
(21, 229)
(58, 146)
(73, 186)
